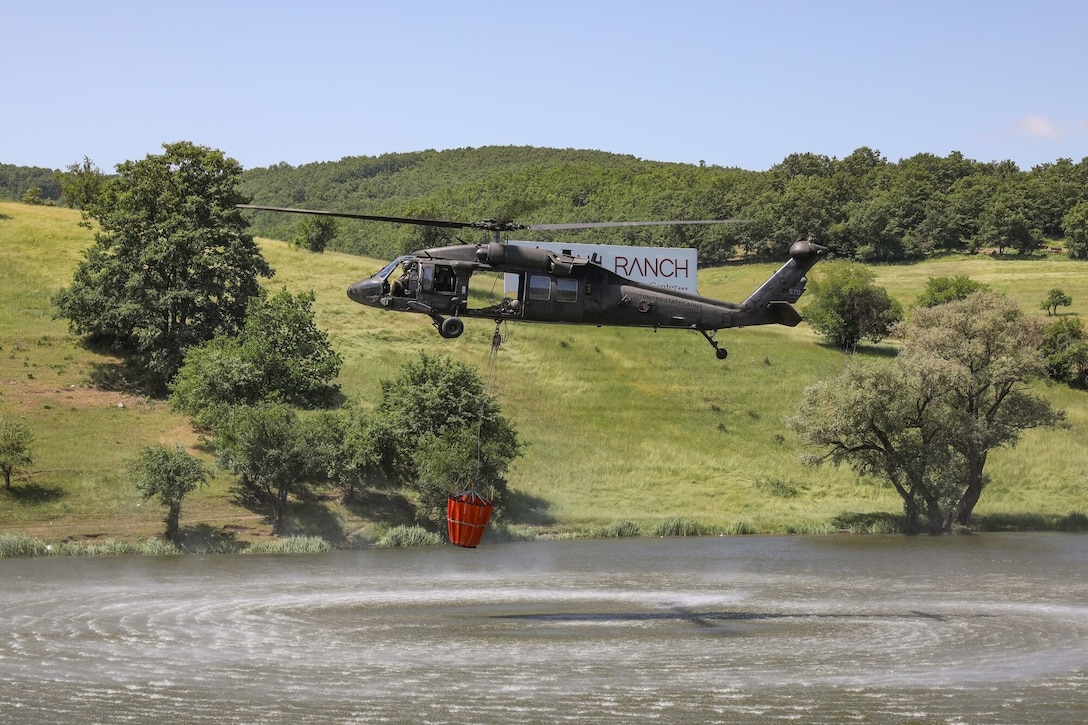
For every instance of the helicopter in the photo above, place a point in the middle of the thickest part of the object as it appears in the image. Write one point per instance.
(545, 285)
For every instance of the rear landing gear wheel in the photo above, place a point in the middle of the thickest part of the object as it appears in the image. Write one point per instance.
(721, 352)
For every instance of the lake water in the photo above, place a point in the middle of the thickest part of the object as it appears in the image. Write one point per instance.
(991, 628)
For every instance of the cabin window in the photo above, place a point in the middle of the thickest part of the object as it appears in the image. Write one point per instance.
(540, 287)
(566, 289)
(444, 279)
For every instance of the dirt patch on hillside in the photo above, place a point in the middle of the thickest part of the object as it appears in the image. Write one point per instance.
(28, 395)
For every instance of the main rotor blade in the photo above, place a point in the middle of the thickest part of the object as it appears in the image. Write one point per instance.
(596, 225)
(370, 217)
(493, 225)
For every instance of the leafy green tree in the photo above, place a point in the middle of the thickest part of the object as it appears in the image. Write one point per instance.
(294, 356)
(1054, 299)
(169, 474)
(1054, 189)
(1004, 224)
(847, 307)
(215, 377)
(315, 232)
(947, 289)
(172, 265)
(16, 447)
(280, 354)
(80, 184)
(435, 426)
(1065, 348)
(888, 421)
(33, 196)
(803, 208)
(265, 447)
(869, 231)
(991, 351)
(1075, 228)
(928, 420)
(342, 452)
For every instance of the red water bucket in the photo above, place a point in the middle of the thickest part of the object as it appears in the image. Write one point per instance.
(467, 514)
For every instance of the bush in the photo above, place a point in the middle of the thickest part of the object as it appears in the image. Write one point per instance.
(15, 545)
(408, 536)
(619, 529)
(679, 527)
(1076, 522)
(848, 308)
(291, 545)
(741, 528)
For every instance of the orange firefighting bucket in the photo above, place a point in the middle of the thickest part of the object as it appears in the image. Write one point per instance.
(467, 514)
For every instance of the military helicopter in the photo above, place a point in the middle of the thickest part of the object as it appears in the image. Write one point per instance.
(450, 283)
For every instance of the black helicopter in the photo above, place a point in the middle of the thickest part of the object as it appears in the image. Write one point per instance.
(541, 285)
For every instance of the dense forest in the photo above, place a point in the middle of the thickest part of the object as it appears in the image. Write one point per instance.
(863, 205)
(16, 181)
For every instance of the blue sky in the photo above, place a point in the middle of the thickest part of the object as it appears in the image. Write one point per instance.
(729, 83)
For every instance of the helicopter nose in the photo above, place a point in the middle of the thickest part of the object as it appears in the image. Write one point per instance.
(366, 291)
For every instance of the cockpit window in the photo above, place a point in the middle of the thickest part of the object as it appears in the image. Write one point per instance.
(388, 269)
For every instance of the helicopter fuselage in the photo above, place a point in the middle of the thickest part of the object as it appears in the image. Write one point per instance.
(542, 286)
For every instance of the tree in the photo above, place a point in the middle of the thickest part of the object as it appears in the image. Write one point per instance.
(16, 441)
(1004, 224)
(435, 426)
(867, 232)
(992, 352)
(341, 451)
(280, 354)
(1054, 299)
(1065, 349)
(264, 446)
(1075, 228)
(294, 356)
(215, 377)
(928, 420)
(80, 184)
(170, 474)
(33, 196)
(315, 232)
(888, 420)
(1054, 189)
(947, 289)
(847, 307)
(172, 265)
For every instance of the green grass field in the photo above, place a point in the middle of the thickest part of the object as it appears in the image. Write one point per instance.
(619, 424)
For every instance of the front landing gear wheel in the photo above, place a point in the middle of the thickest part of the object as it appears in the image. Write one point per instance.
(451, 327)
(722, 353)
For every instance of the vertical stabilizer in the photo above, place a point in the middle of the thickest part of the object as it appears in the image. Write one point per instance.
(773, 302)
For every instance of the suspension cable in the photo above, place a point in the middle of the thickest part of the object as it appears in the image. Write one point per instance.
(492, 364)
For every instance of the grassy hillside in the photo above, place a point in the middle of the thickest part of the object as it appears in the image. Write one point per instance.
(619, 424)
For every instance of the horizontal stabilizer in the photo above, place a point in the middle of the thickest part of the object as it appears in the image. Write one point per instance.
(784, 313)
